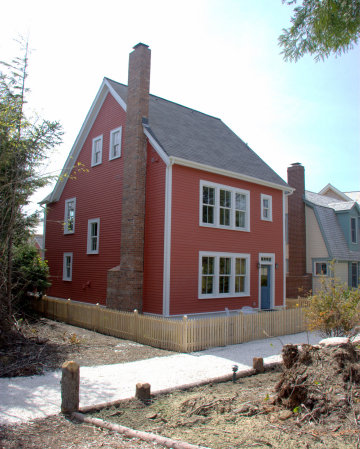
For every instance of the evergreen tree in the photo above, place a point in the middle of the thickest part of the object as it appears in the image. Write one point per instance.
(24, 145)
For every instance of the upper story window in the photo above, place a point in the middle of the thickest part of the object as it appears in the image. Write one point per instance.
(266, 207)
(223, 275)
(224, 207)
(93, 236)
(69, 218)
(115, 143)
(67, 266)
(96, 154)
(353, 230)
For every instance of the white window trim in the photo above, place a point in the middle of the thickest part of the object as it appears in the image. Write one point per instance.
(233, 191)
(65, 277)
(269, 198)
(232, 294)
(95, 139)
(356, 231)
(89, 250)
(112, 132)
(66, 229)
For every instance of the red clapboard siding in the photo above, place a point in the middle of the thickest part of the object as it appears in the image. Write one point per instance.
(188, 238)
(98, 195)
(154, 233)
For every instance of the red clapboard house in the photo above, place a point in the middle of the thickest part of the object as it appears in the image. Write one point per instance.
(176, 215)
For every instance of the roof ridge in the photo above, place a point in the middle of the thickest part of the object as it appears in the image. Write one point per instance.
(169, 101)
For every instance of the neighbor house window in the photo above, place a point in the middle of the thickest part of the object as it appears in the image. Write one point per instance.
(266, 207)
(321, 269)
(353, 230)
(67, 266)
(224, 207)
(354, 275)
(223, 275)
(96, 155)
(93, 236)
(115, 143)
(69, 218)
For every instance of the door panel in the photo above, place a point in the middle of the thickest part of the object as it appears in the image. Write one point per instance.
(265, 286)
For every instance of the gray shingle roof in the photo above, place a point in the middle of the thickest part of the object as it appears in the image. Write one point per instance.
(333, 235)
(325, 201)
(188, 134)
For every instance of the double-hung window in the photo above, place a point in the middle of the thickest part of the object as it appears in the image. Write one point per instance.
(93, 236)
(223, 275)
(69, 218)
(224, 207)
(96, 154)
(115, 143)
(266, 207)
(67, 266)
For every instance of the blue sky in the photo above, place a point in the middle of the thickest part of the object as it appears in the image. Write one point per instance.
(220, 57)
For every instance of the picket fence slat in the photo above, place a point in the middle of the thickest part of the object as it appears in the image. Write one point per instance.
(181, 335)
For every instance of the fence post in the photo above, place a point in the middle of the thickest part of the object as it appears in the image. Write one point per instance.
(184, 334)
(70, 387)
(136, 324)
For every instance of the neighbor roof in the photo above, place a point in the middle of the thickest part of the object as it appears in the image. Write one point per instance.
(191, 135)
(326, 201)
(333, 235)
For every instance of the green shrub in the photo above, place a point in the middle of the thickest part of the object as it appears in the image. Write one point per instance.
(30, 275)
(334, 310)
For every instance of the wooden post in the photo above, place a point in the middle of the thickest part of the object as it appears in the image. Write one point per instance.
(258, 364)
(136, 324)
(143, 392)
(70, 387)
(185, 334)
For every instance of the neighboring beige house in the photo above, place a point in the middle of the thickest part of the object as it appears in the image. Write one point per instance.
(323, 233)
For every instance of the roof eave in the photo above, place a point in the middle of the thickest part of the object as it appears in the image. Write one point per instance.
(221, 171)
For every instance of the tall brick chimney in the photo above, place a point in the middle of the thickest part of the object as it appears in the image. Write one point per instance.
(298, 282)
(125, 283)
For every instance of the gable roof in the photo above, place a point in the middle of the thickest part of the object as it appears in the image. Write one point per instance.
(181, 135)
(333, 192)
(332, 203)
(188, 134)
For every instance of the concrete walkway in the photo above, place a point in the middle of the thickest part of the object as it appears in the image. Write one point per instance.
(26, 398)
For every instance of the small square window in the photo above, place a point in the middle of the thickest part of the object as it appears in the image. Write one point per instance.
(115, 143)
(96, 155)
(93, 236)
(67, 266)
(321, 269)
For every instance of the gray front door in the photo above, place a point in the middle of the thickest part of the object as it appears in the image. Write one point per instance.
(265, 286)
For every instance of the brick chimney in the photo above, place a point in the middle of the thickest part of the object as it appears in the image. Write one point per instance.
(125, 283)
(298, 282)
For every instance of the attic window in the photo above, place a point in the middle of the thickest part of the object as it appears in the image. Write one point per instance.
(96, 155)
(115, 143)
(353, 230)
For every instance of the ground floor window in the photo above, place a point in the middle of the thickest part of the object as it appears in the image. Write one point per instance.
(354, 275)
(321, 269)
(67, 266)
(223, 275)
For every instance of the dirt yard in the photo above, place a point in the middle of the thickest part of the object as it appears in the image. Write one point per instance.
(232, 415)
(252, 413)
